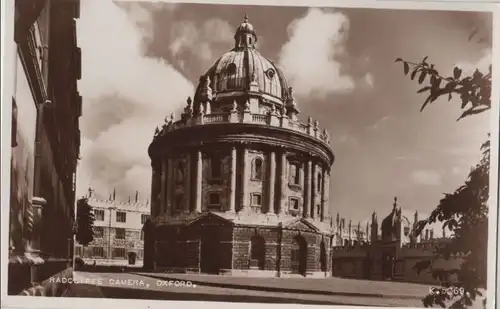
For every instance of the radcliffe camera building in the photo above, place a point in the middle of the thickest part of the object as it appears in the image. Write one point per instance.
(240, 185)
(45, 141)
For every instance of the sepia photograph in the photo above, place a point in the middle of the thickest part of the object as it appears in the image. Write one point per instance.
(294, 153)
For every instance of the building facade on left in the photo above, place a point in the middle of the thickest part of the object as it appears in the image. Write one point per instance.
(45, 140)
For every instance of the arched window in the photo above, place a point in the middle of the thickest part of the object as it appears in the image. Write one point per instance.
(257, 169)
(257, 252)
(179, 172)
(322, 256)
(231, 68)
(294, 176)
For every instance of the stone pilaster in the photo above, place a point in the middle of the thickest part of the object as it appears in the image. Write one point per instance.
(283, 183)
(244, 181)
(170, 186)
(307, 189)
(164, 186)
(272, 182)
(232, 194)
(187, 185)
(198, 181)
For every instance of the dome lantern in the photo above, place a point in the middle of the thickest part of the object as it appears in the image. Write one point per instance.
(245, 36)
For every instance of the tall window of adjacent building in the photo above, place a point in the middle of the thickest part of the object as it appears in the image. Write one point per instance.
(215, 167)
(257, 169)
(98, 251)
(142, 235)
(144, 218)
(121, 216)
(294, 175)
(98, 232)
(99, 214)
(119, 252)
(119, 233)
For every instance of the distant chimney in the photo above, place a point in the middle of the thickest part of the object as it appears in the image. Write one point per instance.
(114, 194)
(129, 199)
(136, 196)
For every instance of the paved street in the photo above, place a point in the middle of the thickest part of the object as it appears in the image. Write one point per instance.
(332, 291)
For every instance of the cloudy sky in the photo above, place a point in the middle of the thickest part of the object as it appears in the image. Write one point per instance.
(141, 61)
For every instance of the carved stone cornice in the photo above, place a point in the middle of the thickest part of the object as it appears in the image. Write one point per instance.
(203, 136)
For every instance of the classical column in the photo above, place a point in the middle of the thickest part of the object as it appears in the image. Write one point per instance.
(199, 176)
(187, 185)
(323, 195)
(244, 180)
(164, 185)
(272, 181)
(170, 186)
(232, 195)
(307, 189)
(326, 193)
(283, 183)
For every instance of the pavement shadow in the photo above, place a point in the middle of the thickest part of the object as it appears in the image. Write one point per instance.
(278, 289)
(126, 293)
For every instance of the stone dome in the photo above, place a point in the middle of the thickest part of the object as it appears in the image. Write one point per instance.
(242, 71)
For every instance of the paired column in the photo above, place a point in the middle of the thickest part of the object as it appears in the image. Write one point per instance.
(198, 181)
(308, 189)
(272, 182)
(326, 194)
(244, 182)
(187, 185)
(323, 195)
(169, 186)
(164, 185)
(283, 183)
(232, 195)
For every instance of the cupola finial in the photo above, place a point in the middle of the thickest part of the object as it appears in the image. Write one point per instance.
(246, 17)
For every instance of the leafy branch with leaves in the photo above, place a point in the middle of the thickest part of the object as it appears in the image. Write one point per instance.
(464, 212)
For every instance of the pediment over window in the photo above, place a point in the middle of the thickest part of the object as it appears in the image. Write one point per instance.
(302, 225)
(210, 219)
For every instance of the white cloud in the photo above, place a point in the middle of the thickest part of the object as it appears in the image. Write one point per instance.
(481, 64)
(426, 177)
(126, 95)
(204, 41)
(368, 79)
(309, 58)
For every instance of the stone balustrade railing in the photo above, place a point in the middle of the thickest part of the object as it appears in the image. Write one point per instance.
(271, 119)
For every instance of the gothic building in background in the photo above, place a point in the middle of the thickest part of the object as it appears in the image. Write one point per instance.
(45, 141)
(240, 185)
(388, 251)
(118, 235)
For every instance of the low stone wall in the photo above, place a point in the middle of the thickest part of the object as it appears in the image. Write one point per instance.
(23, 273)
(53, 286)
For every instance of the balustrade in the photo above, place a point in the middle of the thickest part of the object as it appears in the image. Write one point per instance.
(237, 117)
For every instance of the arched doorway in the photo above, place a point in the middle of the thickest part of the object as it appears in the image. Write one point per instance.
(322, 256)
(209, 250)
(257, 252)
(299, 255)
(132, 257)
